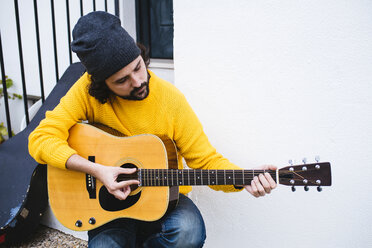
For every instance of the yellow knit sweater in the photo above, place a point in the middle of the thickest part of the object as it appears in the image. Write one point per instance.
(165, 111)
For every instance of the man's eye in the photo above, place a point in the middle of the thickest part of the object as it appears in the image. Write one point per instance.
(137, 68)
(121, 81)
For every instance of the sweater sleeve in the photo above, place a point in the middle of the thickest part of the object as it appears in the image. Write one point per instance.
(48, 142)
(195, 147)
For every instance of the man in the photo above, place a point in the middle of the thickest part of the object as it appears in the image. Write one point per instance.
(118, 91)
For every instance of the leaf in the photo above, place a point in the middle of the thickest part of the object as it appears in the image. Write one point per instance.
(3, 130)
(9, 83)
(17, 96)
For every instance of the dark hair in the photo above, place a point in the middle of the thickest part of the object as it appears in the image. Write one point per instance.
(99, 89)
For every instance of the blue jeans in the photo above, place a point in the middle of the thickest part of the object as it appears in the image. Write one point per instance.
(182, 227)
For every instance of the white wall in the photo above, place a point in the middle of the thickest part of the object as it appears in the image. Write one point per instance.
(279, 80)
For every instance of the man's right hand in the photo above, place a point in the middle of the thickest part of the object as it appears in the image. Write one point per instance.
(106, 174)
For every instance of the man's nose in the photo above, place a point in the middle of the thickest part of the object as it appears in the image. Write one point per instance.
(136, 82)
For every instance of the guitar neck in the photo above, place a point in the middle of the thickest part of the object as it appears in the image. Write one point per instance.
(173, 177)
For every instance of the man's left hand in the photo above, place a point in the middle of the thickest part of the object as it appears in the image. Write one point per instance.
(263, 183)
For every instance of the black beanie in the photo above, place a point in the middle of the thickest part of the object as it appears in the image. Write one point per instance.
(102, 44)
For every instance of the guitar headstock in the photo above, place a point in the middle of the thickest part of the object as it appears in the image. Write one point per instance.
(315, 174)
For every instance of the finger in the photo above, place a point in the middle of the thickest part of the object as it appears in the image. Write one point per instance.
(272, 167)
(260, 189)
(265, 183)
(120, 194)
(254, 189)
(127, 170)
(267, 167)
(270, 180)
(249, 189)
(124, 184)
(126, 191)
(117, 193)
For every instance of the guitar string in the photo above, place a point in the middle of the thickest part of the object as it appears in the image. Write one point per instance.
(208, 171)
(158, 180)
(160, 174)
(156, 176)
(128, 176)
(204, 177)
(154, 173)
(159, 177)
(204, 173)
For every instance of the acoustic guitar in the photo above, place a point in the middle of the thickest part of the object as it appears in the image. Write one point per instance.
(80, 202)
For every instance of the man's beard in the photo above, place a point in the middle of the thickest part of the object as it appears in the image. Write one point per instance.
(134, 93)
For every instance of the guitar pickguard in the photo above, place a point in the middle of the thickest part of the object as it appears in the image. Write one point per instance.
(109, 203)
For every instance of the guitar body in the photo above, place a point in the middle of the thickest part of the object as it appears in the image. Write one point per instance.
(82, 203)
(23, 185)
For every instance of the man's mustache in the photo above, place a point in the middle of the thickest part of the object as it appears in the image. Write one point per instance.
(135, 90)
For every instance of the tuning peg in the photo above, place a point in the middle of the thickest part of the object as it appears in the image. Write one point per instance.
(290, 162)
(304, 160)
(317, 158)
(306, 188)
(293, 189)
(319, 189)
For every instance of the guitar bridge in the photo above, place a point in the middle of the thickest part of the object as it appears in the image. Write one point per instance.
(91, 181)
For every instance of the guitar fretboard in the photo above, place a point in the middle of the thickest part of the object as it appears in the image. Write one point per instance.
(173, 177)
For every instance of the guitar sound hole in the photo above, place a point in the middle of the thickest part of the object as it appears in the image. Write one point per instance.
(133, 187)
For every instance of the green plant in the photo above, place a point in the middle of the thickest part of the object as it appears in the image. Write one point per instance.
(12, 96)
(9, 83)
(3, 132)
